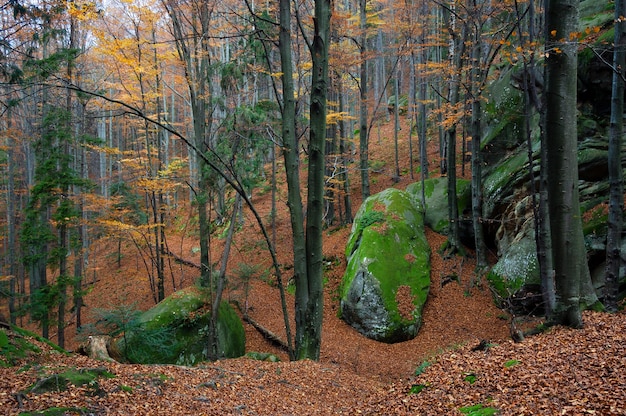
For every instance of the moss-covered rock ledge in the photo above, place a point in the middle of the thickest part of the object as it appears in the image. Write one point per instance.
(175, 331)
(388, 273)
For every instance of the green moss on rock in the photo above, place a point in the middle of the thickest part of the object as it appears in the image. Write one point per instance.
(516, 268)
(175, 331)
(388, 265)
(436, 196)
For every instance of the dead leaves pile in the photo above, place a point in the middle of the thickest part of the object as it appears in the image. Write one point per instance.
(563, 371)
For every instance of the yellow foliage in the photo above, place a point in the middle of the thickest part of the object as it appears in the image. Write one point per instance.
(173, 168)
(83, 11)
(111, 151)
(334, 117)
(115, 225)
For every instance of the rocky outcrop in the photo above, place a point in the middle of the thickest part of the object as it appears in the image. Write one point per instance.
(508, 194)
(388, 273)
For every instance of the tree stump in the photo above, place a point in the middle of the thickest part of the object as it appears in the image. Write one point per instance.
(99, 347)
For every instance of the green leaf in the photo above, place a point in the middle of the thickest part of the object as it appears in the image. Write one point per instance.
(416, 388)
(470, 378)
(479, 410)
(511, 363)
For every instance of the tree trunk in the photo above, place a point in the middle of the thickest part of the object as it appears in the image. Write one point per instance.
(10, 216)
(456, 58)
(570, 260)
(309, 291)
(194, 50)
(363, 88)
(396, 128)
(99, 347)
(422, 125)
(344, 149)
(290, 154)
(477, 194)
(331, 192)
(616, 184)
(220, 284)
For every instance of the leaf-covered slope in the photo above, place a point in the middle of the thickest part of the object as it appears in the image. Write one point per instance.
(563, 371)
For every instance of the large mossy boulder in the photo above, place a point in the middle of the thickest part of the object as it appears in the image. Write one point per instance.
(388, 273)
(175, 331)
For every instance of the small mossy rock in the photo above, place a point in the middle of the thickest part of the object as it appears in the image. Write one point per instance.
(263, 356)
(60, 411)
(515, 277)
(388, 274)
(17, 344)
(77, 377)
(436, 198)
(515, 273)
(175, 331)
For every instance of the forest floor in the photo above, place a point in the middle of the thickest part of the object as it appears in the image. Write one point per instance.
(462, 356)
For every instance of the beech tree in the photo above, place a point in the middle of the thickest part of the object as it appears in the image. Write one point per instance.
(616, 181)
(574, 289)
(190, 26)
(363, 113)
(308, 262)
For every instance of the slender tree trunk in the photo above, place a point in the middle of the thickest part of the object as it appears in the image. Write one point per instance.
(292, 163)
(456, 58)
(616, 182)
(331, 169)
(214, 351)
(396, 128)
(363, 88)
(540, 205)
(344, 150)
(421, 123)
(10, 215)
(477, 194)
(194, 51)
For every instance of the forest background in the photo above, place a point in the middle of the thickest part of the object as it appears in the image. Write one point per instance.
(136, 126)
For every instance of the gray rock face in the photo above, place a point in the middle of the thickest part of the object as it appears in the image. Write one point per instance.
(508, 200)
(363, 306)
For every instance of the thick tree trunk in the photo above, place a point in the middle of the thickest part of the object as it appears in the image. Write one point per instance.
(570, 260)
(100, 348)
(309, 292)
